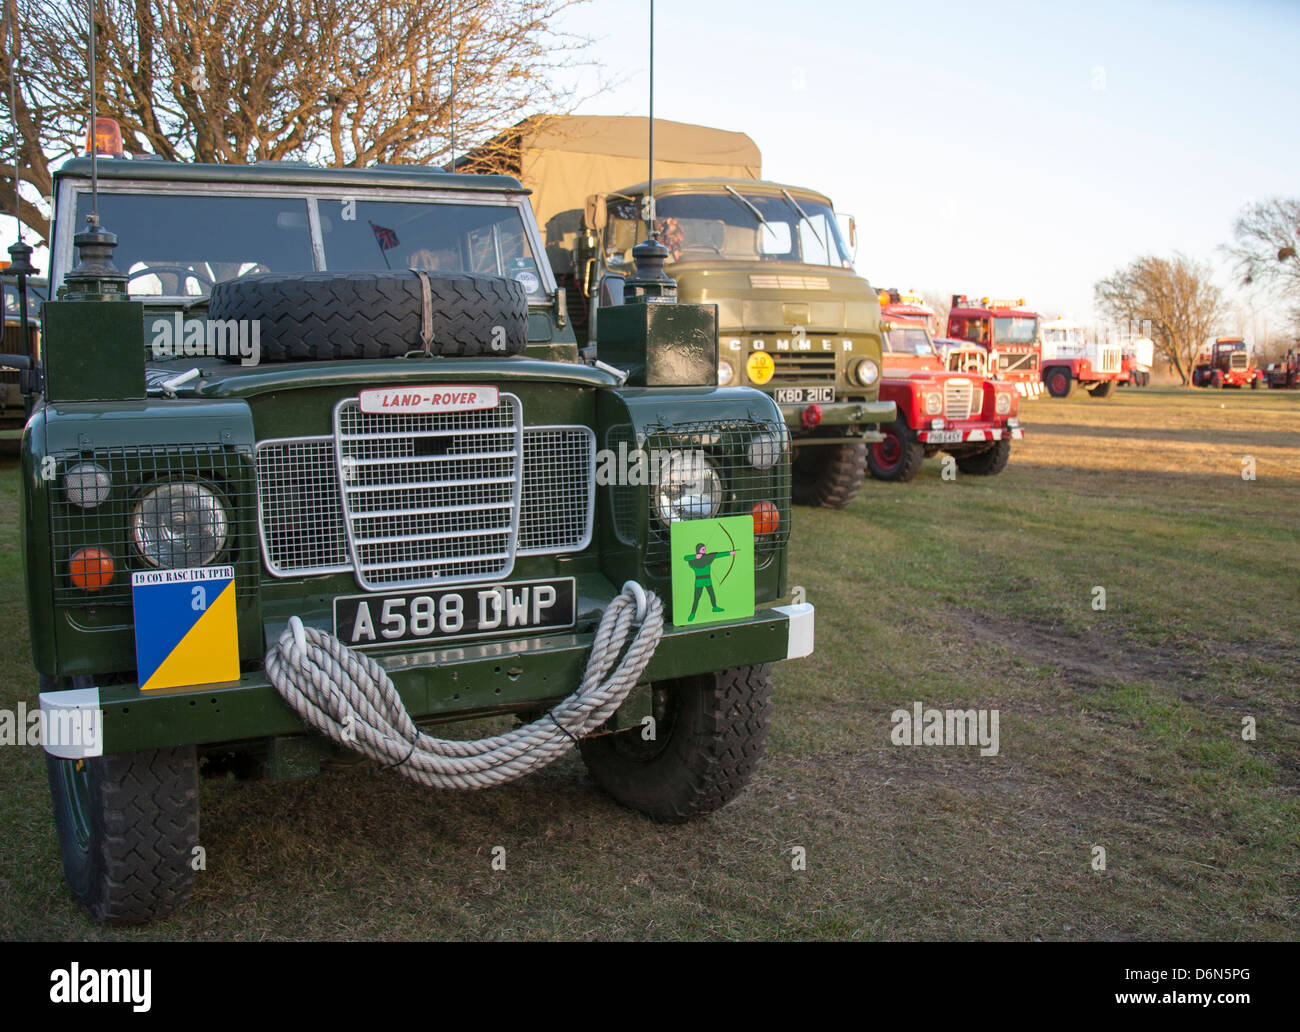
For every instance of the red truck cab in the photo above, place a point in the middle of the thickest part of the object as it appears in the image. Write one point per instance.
(968, 415)
(1226, 363)
(1006, 327)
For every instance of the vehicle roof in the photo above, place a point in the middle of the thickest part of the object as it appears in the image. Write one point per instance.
(969, 311)
(291, 173)
(718, 183)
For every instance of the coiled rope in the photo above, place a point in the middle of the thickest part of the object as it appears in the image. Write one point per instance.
(349, 698)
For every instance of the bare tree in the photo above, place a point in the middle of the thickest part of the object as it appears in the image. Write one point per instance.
(1267, 248)
(339, 82)
(1175, 294)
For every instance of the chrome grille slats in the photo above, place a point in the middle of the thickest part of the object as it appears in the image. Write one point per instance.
(398, 536)
(960, 399)
(419, 515)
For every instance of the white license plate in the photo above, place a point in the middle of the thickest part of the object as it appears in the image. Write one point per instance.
(440, 614)
(944, 437)
(805, 395)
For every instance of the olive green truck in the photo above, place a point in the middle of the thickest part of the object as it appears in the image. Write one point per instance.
(794, 318)
(290, 413)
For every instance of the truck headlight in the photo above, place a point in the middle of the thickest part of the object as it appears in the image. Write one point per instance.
(87, 485)
(1002, 402)
(178, 525)
(689, 488)
(726, 372)
(866, 372)
(933, 402)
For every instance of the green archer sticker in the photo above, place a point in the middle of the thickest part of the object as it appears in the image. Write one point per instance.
(713, 570)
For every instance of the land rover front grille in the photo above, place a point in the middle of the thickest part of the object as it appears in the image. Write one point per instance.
(429, 498)
(960, 399)
(801, 367)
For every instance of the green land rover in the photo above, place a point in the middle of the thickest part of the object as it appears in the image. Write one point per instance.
(314, 461)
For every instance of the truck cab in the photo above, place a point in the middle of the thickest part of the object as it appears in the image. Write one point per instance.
(1004, 326)
(1225, 362)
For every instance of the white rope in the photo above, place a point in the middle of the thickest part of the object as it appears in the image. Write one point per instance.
(349, 698)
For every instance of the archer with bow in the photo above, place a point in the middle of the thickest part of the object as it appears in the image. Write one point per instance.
(701, 563)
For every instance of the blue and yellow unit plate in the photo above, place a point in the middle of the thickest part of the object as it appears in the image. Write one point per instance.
(185, 629)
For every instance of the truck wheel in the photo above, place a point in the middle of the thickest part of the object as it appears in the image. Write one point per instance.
(1254, 384)
(986, 463)
(709, 735)
(899, 455)
(330, 315)
(828, 475)
(1216, 379)
(1104, 389)
(128, 824)
(1059, 382)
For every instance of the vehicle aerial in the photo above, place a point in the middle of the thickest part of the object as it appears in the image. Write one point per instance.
(1225, 362)
(961, 412)
(13, 410)
(295, 412)
(1006, 327)
(1070, 358)
(1286, 373)
(794, 319)
(1139, 357)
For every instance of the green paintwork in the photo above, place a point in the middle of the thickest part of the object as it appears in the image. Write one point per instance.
(661, 345)
(113, 368)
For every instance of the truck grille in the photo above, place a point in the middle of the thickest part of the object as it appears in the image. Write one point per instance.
(960, 398)
(1017, 362)
(802, 368)
(1111, 358)
(1238, 360)
(442, 514)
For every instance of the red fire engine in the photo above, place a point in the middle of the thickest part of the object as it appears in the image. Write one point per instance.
(1007, 328)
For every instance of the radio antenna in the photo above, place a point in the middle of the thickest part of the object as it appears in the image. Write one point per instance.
(651, 230)
(454, 62)
(93, 218)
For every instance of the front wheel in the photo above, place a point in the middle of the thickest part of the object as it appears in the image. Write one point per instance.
(986, 463)
(127, 825)
(708, 736)
(1103, 389)
(899, 455)
(828, 475)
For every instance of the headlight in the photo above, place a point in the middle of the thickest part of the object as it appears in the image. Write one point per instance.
(933, 403)
(689, 488)
(866, 372)
(1002, 403)
(86, 485)
(177, 525)
(764, 451)
(726, 373)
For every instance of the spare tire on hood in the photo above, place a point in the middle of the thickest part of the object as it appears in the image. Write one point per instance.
(338, 315)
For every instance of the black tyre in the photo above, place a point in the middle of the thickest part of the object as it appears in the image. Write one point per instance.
(1216, 379)
(709, 736)
(328, 315)
(986, 463)
(828, 475)
(899, 456)
(127, 825)
(1104, 389)
(1254, 384)
(1059, 382)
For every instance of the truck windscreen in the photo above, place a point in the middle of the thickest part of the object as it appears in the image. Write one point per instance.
(725, 227)
(1015, 330)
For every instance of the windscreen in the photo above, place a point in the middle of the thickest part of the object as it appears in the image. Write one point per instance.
(487, 239)
(734, 226)
(179, 245)
(1015, 329)
(909, 340)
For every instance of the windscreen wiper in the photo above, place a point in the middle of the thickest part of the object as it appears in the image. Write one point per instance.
(804, 215)
(757, 214)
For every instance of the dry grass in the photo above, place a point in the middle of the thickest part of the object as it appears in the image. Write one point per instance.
(1119, 728)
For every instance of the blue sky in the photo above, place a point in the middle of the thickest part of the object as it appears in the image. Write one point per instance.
(1015, 149)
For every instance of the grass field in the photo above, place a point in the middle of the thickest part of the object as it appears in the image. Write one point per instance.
(1119, 728)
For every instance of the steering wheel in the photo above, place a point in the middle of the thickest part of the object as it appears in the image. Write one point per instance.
(181, 272)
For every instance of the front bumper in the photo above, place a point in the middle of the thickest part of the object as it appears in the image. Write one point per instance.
(855, 414)
(452, 683)
(969, 435)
